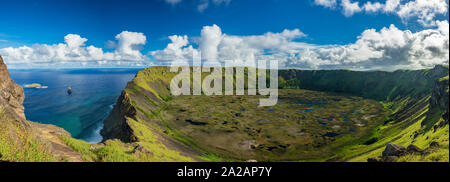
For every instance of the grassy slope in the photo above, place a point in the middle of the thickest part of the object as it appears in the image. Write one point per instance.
(118, 151)
(20, 145)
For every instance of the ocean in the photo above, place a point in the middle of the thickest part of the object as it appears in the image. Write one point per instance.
(94, 93)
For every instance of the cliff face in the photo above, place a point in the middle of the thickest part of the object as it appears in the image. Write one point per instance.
(11, 94)
(115, 125)
(145, 92)
(440, 98)
(21, 140)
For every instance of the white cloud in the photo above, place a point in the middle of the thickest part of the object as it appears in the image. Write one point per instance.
(391, 5)
(127, 47)
(326, 3)
(388, 7)
(387, 49)
(211, 36)
(176, 50)
(216, 46)
(424, 11)
(74, 41)
(73, 52)
(349, 8)
(373, 7)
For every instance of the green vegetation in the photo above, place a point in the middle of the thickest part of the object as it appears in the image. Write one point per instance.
(18, 144)
(117, 151)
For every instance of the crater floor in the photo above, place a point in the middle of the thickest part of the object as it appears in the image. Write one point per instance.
(303, 125)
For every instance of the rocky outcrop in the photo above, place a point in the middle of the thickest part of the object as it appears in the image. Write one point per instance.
(438, 111)
(11, 94)
(393, 151)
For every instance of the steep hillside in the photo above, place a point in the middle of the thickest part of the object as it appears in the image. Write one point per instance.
(378, 85)
(136, 116)
(411, 97)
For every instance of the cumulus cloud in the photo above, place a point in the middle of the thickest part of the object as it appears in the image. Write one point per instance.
(349, 8)
(74, 52)
(175, 51)
(217, 46)
(424, 11)
(128, 45)
(387, 49)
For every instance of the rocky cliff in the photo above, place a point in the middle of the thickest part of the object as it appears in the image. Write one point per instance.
(439, 101)
(115, 125)
(21, 140)
(11, 95)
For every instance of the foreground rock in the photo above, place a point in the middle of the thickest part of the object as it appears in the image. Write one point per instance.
(393, 151)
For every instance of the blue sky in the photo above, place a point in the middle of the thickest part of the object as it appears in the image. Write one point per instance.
(44, 21)
(28, 22)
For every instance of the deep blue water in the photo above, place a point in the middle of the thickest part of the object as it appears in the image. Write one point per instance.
(94, 93)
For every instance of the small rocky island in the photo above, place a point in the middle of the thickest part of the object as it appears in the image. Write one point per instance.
(35, 85)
